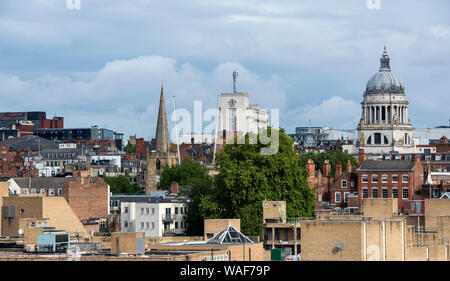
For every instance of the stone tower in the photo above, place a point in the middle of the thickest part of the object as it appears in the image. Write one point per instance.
(162, 154)
(384, 126)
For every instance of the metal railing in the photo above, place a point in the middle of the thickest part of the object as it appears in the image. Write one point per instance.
(169, 217)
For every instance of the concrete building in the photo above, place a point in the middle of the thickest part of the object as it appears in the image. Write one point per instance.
(278, 230)
(236, 114)
(379, 234)
(55, 211)
(156, 217)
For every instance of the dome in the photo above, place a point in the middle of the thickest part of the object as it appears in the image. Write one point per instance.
(384, 81)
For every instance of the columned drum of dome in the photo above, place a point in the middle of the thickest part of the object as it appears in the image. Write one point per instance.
(384, 126)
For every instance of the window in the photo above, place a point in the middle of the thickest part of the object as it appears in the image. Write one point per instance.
(394, 193)
(142, 225)
(377, 137)
(142, 211)
(147, 211)
(153, 211)
(384, 178)
(365, 179)
(435, 193)
(408, 157)
(344, 183)
(405, 193)
(352, 184)
(176, 210)
(337, 197)
(153, 225)
(375, 178)
(125, 223)
(176, 225)
(405, 178)
(33, 191)
(147, 225)
(181, 209)
(394, 178)
(438, 157)
(51, 192)
(365, 193)
(346, 194)
(39, 224)
(384, 193)
(102, 224)
(125, 210)
(375, 192)
(182, 224)
(60, 191)
(24, 191)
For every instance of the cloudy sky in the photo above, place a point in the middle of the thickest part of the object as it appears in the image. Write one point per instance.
(103, 64)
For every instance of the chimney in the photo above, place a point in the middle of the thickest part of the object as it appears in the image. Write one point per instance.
(361, 156)
(349, 166)
(338, 172)
(174, 187)
(326, 169)
(311, 168)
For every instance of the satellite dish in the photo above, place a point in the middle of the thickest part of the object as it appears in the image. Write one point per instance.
(20, 231)
(340, 246)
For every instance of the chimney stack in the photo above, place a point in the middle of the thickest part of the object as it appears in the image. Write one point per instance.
(311, 168)
(338, 172)
(361, 156)
(326, 168)
(349, 166)
(174, 187)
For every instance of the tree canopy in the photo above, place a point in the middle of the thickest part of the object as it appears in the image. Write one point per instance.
(196, 179)
(246, 178)
(122, 185)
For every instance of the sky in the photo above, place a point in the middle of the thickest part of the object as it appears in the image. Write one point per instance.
(103, 64)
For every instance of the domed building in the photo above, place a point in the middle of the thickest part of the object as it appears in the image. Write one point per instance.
(384, 126)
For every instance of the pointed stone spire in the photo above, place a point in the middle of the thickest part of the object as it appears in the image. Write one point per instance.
(385, 61)
(162, 130)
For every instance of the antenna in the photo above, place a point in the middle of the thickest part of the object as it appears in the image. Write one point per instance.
(235, 75)
(176, 130)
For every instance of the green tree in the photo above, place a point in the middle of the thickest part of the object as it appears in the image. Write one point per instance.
(196, 179)
(122, 185)
(246, 178)
(130, 148)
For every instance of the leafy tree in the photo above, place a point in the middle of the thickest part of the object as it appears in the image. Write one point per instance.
(195, 177)
(130, 148)
(246, 178)
(122, 185)
(333, 157)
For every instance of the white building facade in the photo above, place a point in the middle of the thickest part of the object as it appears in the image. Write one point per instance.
(384, 126)
(236, 114)
(156, 219)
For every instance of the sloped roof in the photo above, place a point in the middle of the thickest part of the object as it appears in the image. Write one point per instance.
(38, 183)
(389, 165)
(229, 235)
(31, 142)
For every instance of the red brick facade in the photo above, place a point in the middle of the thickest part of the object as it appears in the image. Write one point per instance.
(87, 196)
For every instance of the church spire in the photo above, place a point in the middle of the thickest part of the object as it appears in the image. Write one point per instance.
(162, 130)
(385, 61)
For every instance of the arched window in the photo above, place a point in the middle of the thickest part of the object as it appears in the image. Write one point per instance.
(386, 140)
(158, 165)
(369, 140)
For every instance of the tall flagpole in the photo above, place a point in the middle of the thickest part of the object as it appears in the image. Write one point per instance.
(217, 128)
(176, 130)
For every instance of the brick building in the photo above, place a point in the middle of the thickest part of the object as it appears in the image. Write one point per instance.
(390, 179)
(12, 164)
(345, 185)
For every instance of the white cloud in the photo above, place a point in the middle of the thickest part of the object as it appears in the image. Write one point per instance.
(336, 112)
(124, 94)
